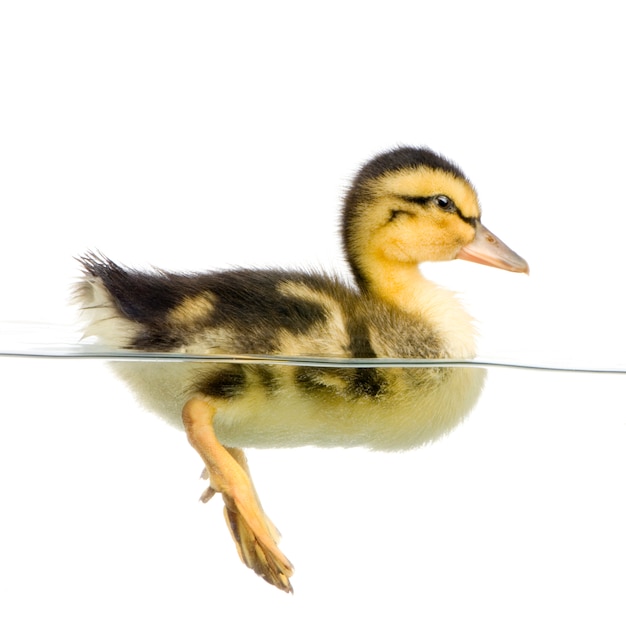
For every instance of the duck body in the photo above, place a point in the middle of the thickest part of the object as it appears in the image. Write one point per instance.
(273, 312)
(404, 207)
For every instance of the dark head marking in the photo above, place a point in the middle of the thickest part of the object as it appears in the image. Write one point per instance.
(392, 161)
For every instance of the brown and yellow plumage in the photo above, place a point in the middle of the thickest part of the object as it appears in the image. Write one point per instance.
(405, 206)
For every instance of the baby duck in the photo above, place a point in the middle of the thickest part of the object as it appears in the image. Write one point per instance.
(404, 207)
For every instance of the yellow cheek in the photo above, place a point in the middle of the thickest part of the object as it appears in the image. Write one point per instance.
(399, 249)
(452, 231)
(401, 241)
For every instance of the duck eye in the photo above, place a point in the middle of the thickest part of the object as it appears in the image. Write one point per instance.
(443, 202)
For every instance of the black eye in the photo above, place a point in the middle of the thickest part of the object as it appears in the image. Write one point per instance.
(443, 202)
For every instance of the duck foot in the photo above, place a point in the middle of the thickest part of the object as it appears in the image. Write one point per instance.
(254, 534)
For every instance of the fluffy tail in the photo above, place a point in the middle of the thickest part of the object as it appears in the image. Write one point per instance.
(102, 311)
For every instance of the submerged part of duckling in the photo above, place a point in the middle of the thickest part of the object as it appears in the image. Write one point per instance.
(404, 207)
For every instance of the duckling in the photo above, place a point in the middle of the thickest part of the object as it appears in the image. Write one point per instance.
(404, 207)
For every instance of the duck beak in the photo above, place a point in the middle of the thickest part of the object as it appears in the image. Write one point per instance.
(487, 249)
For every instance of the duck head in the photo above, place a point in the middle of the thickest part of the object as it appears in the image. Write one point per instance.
(411, 205)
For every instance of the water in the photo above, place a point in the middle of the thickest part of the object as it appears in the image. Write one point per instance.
(519, 511)
(40, 340)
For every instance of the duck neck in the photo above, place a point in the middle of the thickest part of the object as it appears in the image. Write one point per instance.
(404, 286)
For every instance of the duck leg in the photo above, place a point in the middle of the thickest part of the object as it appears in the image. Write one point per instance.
(255, 536)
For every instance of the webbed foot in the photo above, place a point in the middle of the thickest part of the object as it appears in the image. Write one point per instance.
(254, 534)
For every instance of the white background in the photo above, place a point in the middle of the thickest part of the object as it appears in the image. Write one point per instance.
(199, 135)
